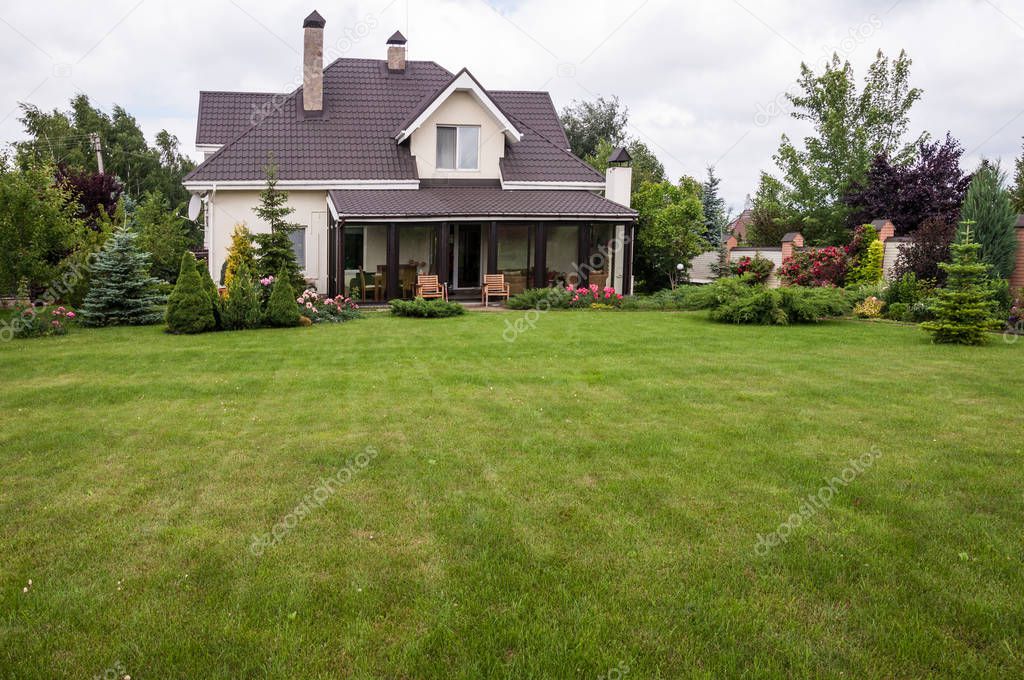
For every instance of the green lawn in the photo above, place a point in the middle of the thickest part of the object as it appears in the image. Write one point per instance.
(584, 502)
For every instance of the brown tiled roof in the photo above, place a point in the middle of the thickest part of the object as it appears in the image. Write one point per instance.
(1020, 220)
(475, 202)
(364, 104)
(225, 115)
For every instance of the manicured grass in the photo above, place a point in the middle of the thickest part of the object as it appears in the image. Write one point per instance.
(584, 499)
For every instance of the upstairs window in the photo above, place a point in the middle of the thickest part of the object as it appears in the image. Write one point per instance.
(458, 147)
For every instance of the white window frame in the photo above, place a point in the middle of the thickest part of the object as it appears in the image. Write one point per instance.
(458, 137)
(305, 246)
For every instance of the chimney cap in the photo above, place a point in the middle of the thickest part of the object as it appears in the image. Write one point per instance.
(619, 155)
(314, 20)
(397, 39)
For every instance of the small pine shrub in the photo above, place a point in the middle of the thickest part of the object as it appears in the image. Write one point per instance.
(211, 291)
(964, 311)
(426, 309)
(282, 310)
(241, 308)
(540, 298)
(188, 308)
(732, 301)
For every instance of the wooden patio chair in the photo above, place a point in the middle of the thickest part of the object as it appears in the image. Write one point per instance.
(494, 286)
(428, 287)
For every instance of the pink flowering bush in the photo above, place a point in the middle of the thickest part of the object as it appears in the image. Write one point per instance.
(31, 321)
(593, 297)
(817, 267)
(326, 309)
(759, 268)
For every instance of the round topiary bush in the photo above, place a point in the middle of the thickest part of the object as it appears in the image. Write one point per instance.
(282, 310)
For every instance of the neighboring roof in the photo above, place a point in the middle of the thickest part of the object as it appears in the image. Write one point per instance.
(396, 39)
(225, 115)
(791, 236)
(354, 139)
(741, 223)
(1020, 220)
(619, 155)
(474, 202)
(878, 224)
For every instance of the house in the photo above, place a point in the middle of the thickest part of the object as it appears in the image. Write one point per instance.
(741, 225)
(398, 167)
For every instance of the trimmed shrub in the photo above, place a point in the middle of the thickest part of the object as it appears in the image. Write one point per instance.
(188, 308)
(241, 308)
(540, 298)
(211, 291)
(922, 311)
(668, 299)
(732, 301)
(908, 289)
(282, 312)
(426, 309)
(898, 311)
(240, 252)
(870, 308)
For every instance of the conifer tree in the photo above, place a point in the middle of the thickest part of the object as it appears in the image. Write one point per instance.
(714, 208)
(276, 256)
(1017, 193)
(240, 252)
(964, 311)
(282, 309)
(188, 307)
(869, 268)
(241, 307)
(989, 209)
(121, 291)
(211, 290)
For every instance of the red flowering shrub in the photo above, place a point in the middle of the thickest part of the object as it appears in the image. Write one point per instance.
(759, 268)
(585, 298)
(815, 267)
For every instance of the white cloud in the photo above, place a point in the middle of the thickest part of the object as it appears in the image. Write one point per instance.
(695, 75)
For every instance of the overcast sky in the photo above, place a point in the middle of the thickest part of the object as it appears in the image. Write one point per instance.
(703, 80)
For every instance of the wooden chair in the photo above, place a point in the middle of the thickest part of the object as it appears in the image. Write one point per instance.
(427, 287)
(494, 286)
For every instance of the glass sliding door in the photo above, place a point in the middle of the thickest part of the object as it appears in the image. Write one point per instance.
(563, 255)
(417, 254)
(515, 255)
(366, 259)
(467, 256)
(601, 260)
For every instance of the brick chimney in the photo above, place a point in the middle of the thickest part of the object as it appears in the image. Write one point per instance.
(790, 242)
(313, 63)
(396, 52)
(618, 178)
(885, 228)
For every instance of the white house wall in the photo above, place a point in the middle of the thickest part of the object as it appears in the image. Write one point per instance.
(231, 207)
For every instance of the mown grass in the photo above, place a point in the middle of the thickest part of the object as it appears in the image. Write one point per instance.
(586, 498)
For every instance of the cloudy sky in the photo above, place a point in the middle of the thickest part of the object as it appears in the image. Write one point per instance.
(703, 79)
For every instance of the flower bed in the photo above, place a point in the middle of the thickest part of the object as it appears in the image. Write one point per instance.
(326, 309)
(593, 297)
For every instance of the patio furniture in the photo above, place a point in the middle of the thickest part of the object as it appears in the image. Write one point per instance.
(428, 287)
(494, 286)
(516, 282)
(363, 286)
(407, 279)
(599, 277)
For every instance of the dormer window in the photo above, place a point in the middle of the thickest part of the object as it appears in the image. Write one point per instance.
(458, 147)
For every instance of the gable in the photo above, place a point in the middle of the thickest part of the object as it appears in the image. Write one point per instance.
(465, 83)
